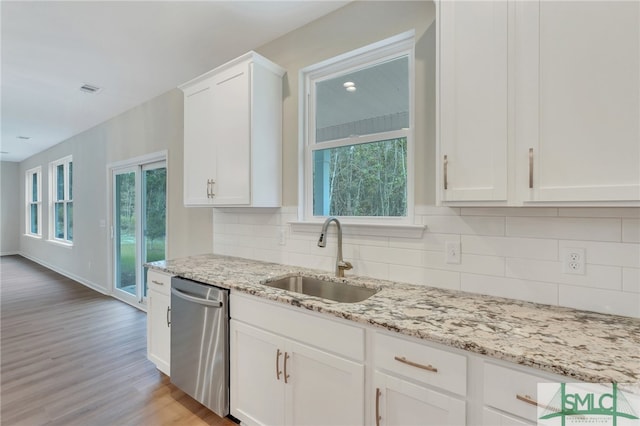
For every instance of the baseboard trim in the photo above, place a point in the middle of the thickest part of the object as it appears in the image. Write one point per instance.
(9, 253)
(67, 274)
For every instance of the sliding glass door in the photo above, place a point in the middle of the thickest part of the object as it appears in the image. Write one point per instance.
(139, 226)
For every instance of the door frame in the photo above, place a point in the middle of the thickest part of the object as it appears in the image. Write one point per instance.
(110, 169)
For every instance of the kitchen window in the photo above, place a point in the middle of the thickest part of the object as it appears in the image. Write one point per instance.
(358, 139)
(61, 196)
(33, 197)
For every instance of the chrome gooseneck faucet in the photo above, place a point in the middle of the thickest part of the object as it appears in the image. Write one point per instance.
(341, 265)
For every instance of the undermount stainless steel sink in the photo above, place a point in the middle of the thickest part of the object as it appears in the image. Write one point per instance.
(338, 292)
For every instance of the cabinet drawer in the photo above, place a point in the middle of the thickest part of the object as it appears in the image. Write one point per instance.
(326, 334)
(417, 361)
(159, 281)
(502, 386)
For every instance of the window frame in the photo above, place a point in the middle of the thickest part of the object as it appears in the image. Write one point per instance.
(66, 162)
(37, 171)
(379, 52)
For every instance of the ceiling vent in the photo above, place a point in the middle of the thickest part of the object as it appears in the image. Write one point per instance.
(24, 138)
(89, 88)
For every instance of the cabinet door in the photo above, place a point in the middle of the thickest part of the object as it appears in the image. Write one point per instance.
(401, 403)
(323, 389)
(158, 331)
(231, 131)
(257, 380)
(494, 418)
(578, 100)
(199, 145)
(473, 100)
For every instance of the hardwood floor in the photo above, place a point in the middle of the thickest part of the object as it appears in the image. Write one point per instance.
(71, 356)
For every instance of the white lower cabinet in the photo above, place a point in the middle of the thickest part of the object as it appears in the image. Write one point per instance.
(276, 380)
(496, 418)
(416, 384)
(294, 367)
(402, 403)
(159, 320)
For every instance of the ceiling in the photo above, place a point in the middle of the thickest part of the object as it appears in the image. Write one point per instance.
(132, 50)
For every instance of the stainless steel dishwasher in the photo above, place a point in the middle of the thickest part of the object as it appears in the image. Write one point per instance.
(200, 342)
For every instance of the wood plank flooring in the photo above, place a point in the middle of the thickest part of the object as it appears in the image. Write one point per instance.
(71, 356)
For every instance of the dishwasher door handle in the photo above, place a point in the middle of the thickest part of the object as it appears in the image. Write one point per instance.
(206, 302)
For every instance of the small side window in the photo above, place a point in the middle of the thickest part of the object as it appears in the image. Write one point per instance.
(33, 197)
(61, 178)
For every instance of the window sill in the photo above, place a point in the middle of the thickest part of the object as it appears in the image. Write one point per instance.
(61, 243)
(34, 236)
(365, 229)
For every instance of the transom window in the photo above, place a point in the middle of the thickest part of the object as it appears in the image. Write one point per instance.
(33, 197)
(358, 133)
(61, 178)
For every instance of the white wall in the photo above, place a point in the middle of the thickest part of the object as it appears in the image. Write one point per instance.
(10, 187)
(152, 127)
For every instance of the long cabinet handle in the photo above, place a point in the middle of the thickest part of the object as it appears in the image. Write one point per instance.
(278, 372)
(530, 168)
(286, 376)
(415, 364)
(527, 399)
(208, 188)
(378, 417)
(168, 316)
(445, 167)
(157, 282)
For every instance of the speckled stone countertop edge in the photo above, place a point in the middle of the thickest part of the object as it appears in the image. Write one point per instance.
(496, 327)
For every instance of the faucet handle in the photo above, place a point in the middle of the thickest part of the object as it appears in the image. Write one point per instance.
(345, 265)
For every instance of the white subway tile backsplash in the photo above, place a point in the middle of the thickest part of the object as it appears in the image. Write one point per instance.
(507, 252)
(596, 276)
(425, 276)
(629, 212)
(468, 225)
(531, 248)
(565, 228)
(509, 211)
(429, 241)
(615, 254)
(486, 265)
(631, 280)
(512, 288)
(631, 230)
(605, 301)
(392, 255)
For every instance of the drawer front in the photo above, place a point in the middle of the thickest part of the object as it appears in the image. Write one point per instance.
(507, 390)
(418, 361)
(325, 334)
(159, 281)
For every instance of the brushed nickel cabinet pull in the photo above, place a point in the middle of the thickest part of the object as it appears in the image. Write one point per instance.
(446, 165)
(527, 399)
(415, 364)
(378, 393)
(286, 376)
(157, 282)
(168, 316)
(278, 372)
(530, 168)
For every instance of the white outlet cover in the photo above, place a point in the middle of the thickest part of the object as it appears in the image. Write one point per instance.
(573, 260)
(452, 252)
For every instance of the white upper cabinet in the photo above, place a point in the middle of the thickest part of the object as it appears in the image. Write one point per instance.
(578, 100)
(233, 135)
(473, 100)
(539, 102)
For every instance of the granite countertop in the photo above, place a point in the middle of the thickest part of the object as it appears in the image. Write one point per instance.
(584, 346)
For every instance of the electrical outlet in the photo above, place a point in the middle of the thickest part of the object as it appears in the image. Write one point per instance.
(573, 260)
(452, 252)
(282, 237)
